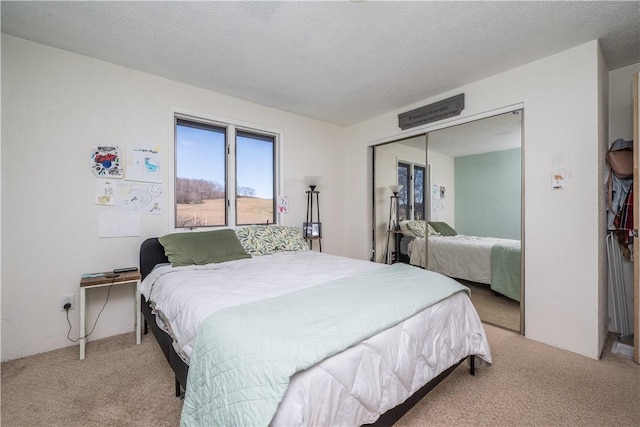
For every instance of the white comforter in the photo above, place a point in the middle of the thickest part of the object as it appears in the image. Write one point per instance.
(237, 282)
(352, 387)
(462, 257)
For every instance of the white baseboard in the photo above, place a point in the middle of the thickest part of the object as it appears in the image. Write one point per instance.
(622, 349)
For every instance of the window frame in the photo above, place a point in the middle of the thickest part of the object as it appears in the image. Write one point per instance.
(424, 191)
(406, 189)
(410, 203)
(232, 127)
(266, 137)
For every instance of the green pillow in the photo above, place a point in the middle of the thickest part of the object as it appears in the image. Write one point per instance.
(443, 228)
(202, 247)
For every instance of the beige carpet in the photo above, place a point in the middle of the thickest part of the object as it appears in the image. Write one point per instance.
(494, 309)
(533, 384)
(118, 384)
(121, 384)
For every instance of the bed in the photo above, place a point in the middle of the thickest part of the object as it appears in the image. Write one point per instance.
(283, 296)
(488, 260)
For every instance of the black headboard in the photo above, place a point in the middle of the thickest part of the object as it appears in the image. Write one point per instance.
(151, 254)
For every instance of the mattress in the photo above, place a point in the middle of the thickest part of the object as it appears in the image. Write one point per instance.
(460, 256)
(351, 387)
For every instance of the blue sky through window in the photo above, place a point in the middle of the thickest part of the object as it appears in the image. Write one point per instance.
(255, 165)
(201, 155)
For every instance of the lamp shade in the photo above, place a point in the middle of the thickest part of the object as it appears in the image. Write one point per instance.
(395, 189)
(312, 180)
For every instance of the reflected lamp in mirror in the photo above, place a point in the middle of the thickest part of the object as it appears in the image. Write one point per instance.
(395, 189)
(312, 181)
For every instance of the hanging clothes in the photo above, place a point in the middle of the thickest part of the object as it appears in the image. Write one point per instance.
(624, 225)
(617, 188)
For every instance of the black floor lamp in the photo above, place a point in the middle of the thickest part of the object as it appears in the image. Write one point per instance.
(312, 228)
(393, 228)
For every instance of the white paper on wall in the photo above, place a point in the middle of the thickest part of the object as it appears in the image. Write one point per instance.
(118, 224)
(139, 197)
(283, 205)
(436, 209)
(437, 203)
(143, 164)
(435, 192)
(105, 192)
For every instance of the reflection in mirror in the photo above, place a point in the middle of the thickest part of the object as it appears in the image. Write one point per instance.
(476, 198)
(471, 194)
(397, 163)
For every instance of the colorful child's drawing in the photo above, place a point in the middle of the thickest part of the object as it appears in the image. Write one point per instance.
(105, 193)
(283, 205)
(105, 162)
(143, 164)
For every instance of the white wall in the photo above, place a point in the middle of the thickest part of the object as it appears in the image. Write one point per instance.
(563, 243)
(443, 174)
(0, 192)
(55, 107)
(603, 129)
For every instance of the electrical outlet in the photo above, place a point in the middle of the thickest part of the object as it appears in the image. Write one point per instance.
(70, 298)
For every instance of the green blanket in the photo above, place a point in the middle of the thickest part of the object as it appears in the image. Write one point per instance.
(505, 269)
(244, 356)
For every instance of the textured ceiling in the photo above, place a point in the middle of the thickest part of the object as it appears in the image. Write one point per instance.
(339, 62)
(495, 133)
(501, 132)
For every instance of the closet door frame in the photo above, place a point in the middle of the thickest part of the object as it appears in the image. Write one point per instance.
(636, 215)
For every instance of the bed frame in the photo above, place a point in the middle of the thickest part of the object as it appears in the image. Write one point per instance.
(152, 253)
(402, 256)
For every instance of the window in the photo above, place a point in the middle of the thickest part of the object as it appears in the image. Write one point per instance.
(404, 179)
(254, 178)
(419, 184)
(411, 198)
(224, 176)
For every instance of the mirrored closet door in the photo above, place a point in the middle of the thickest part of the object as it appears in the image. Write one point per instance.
(467, 181)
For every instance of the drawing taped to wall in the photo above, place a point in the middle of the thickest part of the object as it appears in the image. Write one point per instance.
(105, 162)
(143, 164)
(139, 197)
(283, 205)
(105, 193)
(437, 203)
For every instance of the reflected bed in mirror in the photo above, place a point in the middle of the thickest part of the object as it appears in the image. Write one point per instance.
(488, 260)
(471, 192)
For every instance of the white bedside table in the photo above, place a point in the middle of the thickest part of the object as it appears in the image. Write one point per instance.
(131, 277)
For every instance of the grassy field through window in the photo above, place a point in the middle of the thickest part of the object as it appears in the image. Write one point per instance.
(251, 210)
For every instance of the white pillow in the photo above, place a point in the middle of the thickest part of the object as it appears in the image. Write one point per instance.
(405, 230)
